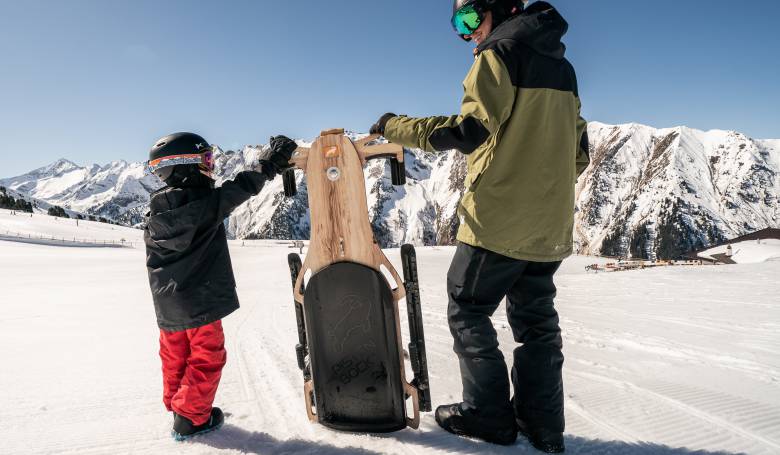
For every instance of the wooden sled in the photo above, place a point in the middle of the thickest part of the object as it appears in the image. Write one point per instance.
(350, 348)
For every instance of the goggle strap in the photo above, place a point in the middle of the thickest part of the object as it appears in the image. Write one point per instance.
(204, 160)
(175, 160)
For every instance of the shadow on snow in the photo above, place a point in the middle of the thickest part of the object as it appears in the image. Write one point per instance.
(435, 438)
(231, 437)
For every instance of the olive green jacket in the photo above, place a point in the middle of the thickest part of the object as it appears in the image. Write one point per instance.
(526, 142)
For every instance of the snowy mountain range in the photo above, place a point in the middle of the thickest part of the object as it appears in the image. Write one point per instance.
(648, 193)
(663, 192)
(118, 191)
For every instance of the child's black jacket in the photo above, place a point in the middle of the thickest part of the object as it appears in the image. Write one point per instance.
(187, 256)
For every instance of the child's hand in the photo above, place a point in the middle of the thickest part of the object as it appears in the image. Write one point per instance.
(279, 153)
(284, 145)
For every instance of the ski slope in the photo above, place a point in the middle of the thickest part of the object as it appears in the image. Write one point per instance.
(662, 361)
(67, 229)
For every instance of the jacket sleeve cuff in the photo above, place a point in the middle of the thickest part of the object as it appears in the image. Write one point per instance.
(267, 169)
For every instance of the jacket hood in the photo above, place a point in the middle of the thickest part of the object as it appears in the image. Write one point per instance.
(540, 27)
(173, 228)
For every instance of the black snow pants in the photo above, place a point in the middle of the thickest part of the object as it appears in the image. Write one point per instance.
(477, 282)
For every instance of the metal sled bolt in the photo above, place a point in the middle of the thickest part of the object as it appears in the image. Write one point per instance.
(333, 174)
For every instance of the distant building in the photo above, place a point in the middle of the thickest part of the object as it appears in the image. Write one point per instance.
(763, 234)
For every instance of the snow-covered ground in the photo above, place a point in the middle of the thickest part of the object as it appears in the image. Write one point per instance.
(662, 361)
(749, 251)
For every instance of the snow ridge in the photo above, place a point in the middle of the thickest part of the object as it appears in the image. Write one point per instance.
(649, 193)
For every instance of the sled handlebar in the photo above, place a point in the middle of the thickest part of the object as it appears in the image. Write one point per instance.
(392, 152)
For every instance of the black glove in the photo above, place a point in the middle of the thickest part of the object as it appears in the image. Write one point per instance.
(379, 126)
(277, 155)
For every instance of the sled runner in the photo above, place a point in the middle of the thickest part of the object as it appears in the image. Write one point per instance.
(349, 330)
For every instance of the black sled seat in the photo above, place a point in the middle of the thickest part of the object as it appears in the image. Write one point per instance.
(353, 349)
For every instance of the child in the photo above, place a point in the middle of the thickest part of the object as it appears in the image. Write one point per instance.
(189, 267)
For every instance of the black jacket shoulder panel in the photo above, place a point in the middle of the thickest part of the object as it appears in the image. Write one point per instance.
(529, 69)
(530, 47)
(540, 27)
(538, 71)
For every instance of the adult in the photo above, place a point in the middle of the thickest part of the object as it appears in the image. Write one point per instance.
(526, 143)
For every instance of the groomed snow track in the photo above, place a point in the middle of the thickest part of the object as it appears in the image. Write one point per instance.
(676, 361)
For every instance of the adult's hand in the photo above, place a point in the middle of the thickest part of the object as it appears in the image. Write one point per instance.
(379, 126)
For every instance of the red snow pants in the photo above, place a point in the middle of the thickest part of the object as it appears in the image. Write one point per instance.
(192, 362)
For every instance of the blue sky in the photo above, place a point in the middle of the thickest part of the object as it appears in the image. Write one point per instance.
(96, 81)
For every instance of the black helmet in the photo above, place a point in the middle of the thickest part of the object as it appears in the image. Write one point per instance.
(178, 151)
(458, 4)
(506, 5)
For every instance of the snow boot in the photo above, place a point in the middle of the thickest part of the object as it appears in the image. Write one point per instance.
(183, 427)
(542, 439)
(463, 423)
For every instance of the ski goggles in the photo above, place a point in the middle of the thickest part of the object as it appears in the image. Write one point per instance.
(204, 160)
(467, 20)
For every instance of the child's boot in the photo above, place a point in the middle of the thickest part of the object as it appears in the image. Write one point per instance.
(183, 428)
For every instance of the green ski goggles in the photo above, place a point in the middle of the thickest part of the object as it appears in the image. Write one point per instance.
(467, 20)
